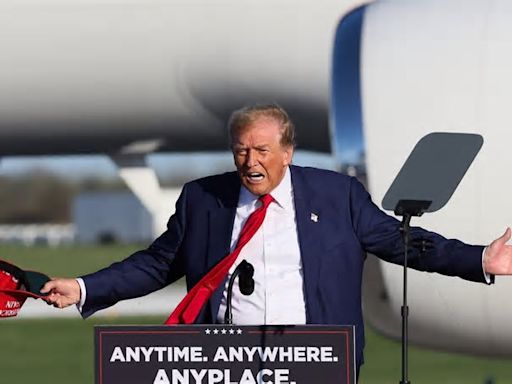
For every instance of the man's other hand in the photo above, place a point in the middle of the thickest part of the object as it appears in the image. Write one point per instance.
(62, 292)
(498, 256)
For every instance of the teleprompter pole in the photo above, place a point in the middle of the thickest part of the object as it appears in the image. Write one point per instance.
(405, 227)
(407, 209)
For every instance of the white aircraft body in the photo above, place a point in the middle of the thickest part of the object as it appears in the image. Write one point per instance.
(127, 78)
(86, 76)
(442, 66)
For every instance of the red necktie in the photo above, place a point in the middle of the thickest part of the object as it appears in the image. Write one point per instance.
(188, 309)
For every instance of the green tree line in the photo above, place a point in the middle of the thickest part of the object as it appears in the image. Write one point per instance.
(40, 196)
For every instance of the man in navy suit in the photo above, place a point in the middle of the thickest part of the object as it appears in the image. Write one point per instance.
(308, 254)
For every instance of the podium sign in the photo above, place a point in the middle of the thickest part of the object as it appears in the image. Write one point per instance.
(210, 354)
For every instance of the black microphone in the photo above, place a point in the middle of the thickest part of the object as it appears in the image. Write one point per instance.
(245, 273)
(245, 280)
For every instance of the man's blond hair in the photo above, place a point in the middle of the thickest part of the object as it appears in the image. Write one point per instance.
(246, 116)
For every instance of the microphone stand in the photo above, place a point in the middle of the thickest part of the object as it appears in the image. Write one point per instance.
(245, 271)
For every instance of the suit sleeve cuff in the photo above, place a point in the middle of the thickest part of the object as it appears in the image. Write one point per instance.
(83, 293)
(489, 279)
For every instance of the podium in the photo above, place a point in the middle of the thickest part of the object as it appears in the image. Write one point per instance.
(210, 354)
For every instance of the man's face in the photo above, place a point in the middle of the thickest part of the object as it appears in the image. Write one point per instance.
(259, 157)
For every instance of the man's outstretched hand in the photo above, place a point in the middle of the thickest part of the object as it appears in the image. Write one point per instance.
(62, 292)
(498, 256)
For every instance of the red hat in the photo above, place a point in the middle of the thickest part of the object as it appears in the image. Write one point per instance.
(16, 285)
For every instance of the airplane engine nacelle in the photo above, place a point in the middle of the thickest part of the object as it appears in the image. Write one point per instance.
(425, 66)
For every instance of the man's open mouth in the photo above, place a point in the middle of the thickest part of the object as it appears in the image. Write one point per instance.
(255, 177)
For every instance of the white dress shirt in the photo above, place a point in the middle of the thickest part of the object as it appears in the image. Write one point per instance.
(278, 296)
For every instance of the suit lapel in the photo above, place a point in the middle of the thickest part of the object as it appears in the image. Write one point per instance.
(309, 231)
(220, 227)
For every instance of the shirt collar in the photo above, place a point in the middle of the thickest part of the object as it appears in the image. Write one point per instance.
(282, 194)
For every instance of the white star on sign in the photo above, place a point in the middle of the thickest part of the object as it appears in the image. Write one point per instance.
(239, 331)
(224, 331)
(207, 331)
(231, 331)
(216, 331)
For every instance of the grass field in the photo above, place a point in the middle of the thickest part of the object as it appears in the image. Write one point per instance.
(61, 350)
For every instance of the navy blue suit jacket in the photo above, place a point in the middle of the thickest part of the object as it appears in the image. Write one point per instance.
(332, 249)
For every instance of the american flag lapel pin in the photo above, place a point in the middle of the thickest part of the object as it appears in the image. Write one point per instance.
(314, 217)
